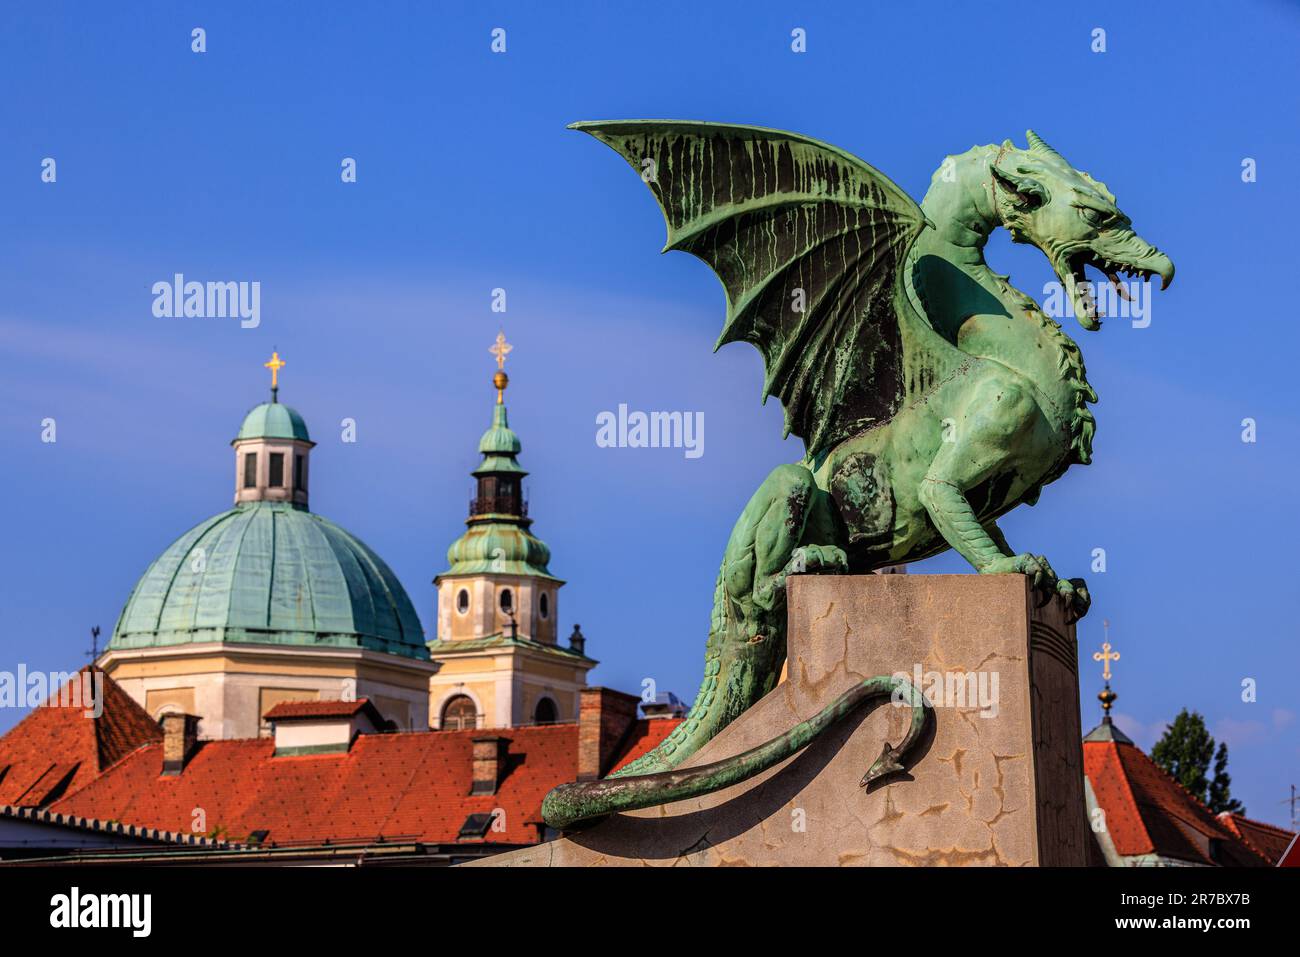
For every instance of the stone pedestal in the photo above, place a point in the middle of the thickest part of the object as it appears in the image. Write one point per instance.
(998, 779)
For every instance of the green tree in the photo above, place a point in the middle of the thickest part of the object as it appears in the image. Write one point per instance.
(1185, 750)
(1220, 798)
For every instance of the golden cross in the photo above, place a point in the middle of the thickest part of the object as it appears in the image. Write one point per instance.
(501, 349)
(1105, 656)
(275, 365)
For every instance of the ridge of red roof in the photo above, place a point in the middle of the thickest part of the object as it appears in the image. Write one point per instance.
(123, 726)
(291, 710)
(55, 749)
(45, 816)
(1267, 840)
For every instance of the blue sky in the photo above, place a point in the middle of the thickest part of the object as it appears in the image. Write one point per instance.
(225, 165)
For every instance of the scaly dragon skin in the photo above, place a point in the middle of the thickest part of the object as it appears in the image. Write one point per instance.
(980, 435)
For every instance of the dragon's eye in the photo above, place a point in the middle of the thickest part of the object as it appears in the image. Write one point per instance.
(1094, 218)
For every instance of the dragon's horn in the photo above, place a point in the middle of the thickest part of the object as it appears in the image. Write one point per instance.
(1038, 145)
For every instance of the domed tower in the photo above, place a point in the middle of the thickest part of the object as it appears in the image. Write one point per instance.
(271, 450)
(498, 604)
(268, 602)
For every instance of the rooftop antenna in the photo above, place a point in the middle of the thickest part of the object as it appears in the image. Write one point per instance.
(1292, 800)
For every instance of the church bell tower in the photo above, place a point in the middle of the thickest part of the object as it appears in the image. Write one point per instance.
(498, 603)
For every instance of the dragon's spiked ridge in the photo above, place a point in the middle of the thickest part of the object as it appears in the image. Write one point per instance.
(1074, 219)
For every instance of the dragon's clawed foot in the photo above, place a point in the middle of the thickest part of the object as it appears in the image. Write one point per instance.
(1038, 568)
(1045, 581)
(817, 559)
(1077, 598)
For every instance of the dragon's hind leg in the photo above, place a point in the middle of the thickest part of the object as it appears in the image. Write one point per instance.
(746, 645)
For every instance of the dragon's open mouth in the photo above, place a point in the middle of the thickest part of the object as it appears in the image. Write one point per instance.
(1080, 289)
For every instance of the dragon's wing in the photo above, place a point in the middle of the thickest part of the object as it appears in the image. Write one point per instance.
(807, 240)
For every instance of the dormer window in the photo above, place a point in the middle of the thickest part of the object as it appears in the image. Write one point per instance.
(250, 470)
(276, 479)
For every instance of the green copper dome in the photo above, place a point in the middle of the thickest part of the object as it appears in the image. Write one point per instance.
(269, 573)
(498, 548)
(499, 439)
(499, 446)
(273, 420)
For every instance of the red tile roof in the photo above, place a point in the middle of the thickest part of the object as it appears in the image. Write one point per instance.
(1148, 812)
(57, 749)
(290, 710)
(645, 736)
(1267, 840)
(401, 786)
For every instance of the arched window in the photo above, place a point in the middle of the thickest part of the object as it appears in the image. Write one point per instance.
(459, 714)
(507, 600)
(462, 600)
(545, 712)
(544, 606)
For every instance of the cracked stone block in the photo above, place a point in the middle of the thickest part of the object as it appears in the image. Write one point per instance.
(998, 779)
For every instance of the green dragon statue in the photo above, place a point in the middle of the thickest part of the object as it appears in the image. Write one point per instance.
(931, 395)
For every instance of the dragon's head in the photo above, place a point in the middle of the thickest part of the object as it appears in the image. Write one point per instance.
(1074, 220)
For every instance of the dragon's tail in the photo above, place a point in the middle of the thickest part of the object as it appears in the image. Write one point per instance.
(570, 804)
(737, 672)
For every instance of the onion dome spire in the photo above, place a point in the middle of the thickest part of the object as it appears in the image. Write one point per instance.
(499, 476)
(497, 539)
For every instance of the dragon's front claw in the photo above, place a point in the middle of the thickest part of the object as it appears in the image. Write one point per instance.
(1036, 567)
(1077, 598)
